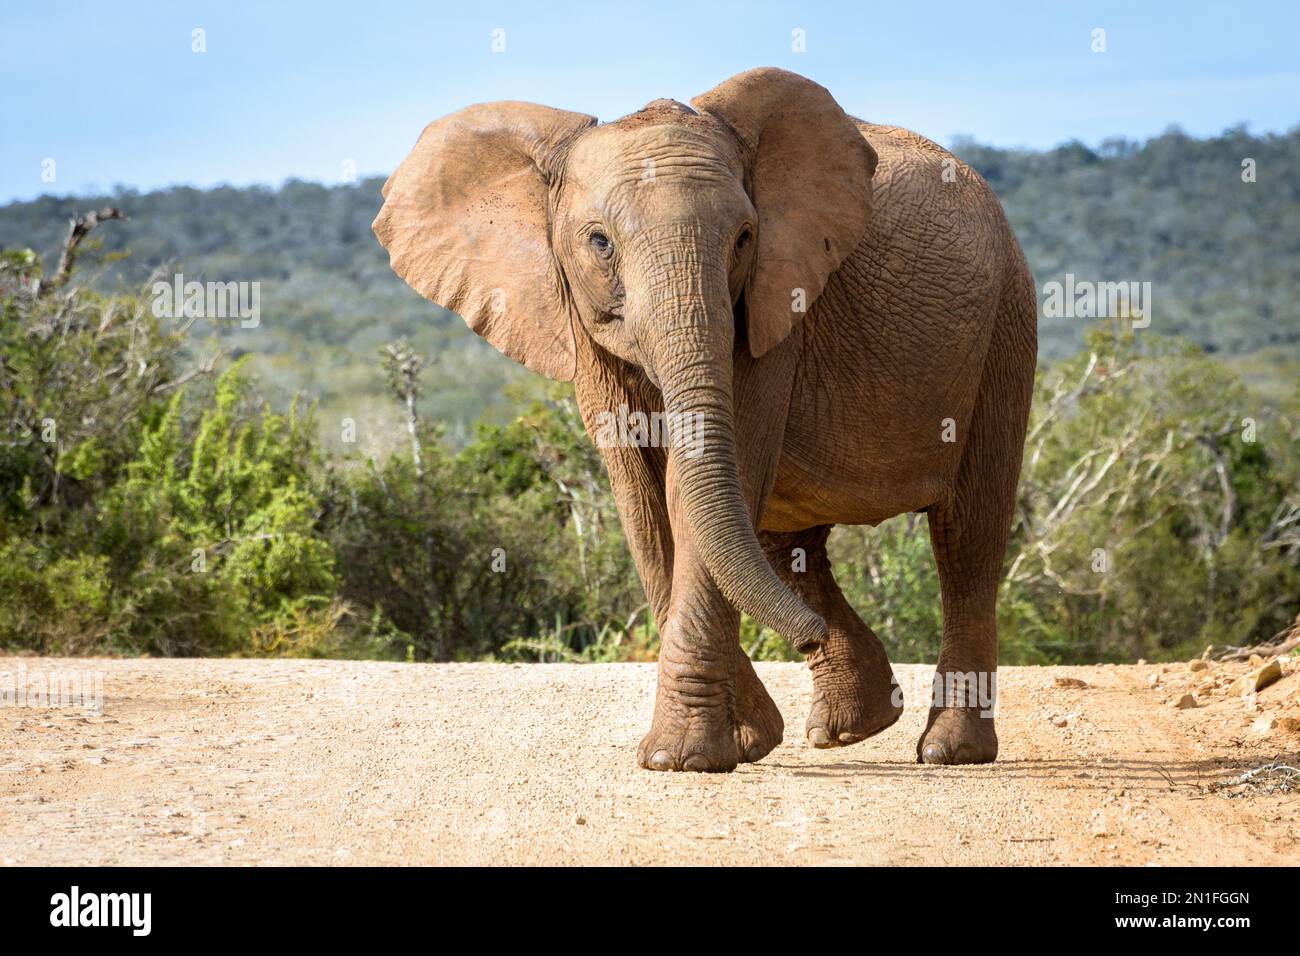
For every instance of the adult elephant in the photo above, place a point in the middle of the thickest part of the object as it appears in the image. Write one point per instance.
(843, 309)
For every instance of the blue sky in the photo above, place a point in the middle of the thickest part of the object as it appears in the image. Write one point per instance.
(113, 93)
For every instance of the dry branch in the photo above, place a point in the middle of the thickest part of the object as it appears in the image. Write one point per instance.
(78, 229)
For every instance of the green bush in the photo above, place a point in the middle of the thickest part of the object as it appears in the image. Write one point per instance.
(888, 575)
(514, 537)
(219, 509)
(139, 511)
(52, 605)
(147, 506)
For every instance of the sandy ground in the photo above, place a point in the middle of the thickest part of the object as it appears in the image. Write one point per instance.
(330, 762)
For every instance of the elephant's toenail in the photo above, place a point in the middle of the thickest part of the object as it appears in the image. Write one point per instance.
(818, 737)
(697, 763)
(661, 761)
(848, 738)
(935, 753)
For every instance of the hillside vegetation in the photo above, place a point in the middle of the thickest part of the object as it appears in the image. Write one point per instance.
(1220, 253)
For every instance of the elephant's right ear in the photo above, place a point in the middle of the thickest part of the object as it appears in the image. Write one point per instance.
(465, 224)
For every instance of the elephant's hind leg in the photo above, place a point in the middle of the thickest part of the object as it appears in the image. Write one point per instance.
(969, 537)
(854, 692)
(969, 533)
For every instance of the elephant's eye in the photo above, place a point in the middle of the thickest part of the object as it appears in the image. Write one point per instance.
(600, 242)
(742, 240)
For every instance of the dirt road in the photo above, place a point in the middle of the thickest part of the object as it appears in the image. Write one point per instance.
(288, 762)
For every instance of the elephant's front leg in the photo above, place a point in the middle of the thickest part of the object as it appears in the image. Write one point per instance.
(691, 703)
(711, 710)
(855, 695)
(695, 722)
(638, 477)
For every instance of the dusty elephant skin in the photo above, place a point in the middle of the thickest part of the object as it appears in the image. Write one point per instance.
(840, 308)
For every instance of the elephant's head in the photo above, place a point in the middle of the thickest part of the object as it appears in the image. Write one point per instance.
(667, 238)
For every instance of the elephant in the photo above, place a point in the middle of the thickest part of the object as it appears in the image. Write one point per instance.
(841, 306)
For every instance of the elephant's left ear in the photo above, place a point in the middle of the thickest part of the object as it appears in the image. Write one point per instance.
(811, 184)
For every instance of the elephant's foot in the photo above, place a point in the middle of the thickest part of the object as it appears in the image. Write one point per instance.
(854, 692)
(694, 725)
(759, 727)
(957, 735)
(702, 740)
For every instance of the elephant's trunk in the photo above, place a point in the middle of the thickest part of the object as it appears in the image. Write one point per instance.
(691, 350)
